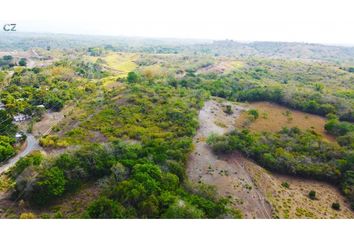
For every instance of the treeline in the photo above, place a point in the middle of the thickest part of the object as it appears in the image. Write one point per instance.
(314, 103)
(136, 187)
(344, 131)
(294, 152)
(248, 86)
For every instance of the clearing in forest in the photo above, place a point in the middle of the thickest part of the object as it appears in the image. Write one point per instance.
(273, 117)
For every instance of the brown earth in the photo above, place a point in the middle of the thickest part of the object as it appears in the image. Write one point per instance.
(273, 117)
(229, 177)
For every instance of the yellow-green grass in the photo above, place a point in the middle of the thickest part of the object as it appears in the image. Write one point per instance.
(121, 62)
(273, 117)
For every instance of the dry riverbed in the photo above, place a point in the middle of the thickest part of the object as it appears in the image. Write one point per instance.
(252, 189)
(229, 177)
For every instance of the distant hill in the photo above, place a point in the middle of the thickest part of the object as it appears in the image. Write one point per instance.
(292, 50)
(283, 50)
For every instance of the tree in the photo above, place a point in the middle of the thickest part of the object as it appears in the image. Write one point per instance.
(7, 58)
(312, 195)
(132, 77)
(6, 126)
(183, 210)
(228, 109)
(105, 208)
(336, 206)
(119, 172)
(6, 150)
(22, 62)
(49, 186)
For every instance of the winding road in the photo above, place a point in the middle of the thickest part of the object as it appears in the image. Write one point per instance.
(31, 145)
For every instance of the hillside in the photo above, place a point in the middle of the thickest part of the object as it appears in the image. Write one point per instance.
(106, 127)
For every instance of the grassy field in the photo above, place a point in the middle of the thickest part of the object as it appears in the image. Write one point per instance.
(273, 118)
(120, 62)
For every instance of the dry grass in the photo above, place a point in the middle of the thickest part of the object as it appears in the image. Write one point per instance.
(273, 117)
(293, 202)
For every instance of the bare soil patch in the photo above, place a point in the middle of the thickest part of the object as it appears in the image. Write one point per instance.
(230, 178)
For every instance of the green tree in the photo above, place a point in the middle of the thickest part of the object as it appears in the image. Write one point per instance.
(253, 114)
(133, 77)
(312, 195)
(228, 109)
(105, 208)
(336, 206)
(49, 186)
(22, 62)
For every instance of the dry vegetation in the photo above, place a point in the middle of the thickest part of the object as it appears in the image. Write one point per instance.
(273, 117)
(293, 202)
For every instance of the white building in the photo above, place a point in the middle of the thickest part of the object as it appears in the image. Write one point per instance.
(21, 117)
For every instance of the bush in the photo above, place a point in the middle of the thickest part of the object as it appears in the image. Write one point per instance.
(253, 114)
(27, 215)
(182, 210)
(285, 184)
(336, 206)
(22, 62)
(228, 109)
(105, 208)
(312, 195)
(51, 184)
(133, 77)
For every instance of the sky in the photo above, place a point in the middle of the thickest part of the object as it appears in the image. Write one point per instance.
(326, 21)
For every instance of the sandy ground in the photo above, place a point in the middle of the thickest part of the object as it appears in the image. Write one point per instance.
(230, 177)
(252, 189)
(49, 120)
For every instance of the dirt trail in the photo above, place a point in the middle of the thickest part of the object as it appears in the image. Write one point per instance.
(228, 175)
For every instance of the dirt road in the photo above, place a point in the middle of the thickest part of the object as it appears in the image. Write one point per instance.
(31, 145)
(227, 174)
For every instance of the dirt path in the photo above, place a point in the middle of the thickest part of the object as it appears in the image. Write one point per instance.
(228, 175)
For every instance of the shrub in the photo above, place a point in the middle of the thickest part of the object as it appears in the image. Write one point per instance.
(132, 77)
(336, 206)
(228, 109)
(312, 195)
(182, 210)
(285, 184)
(49, 186)
(28, 215)
(105, 208)
(22, 62)
(253, 114)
